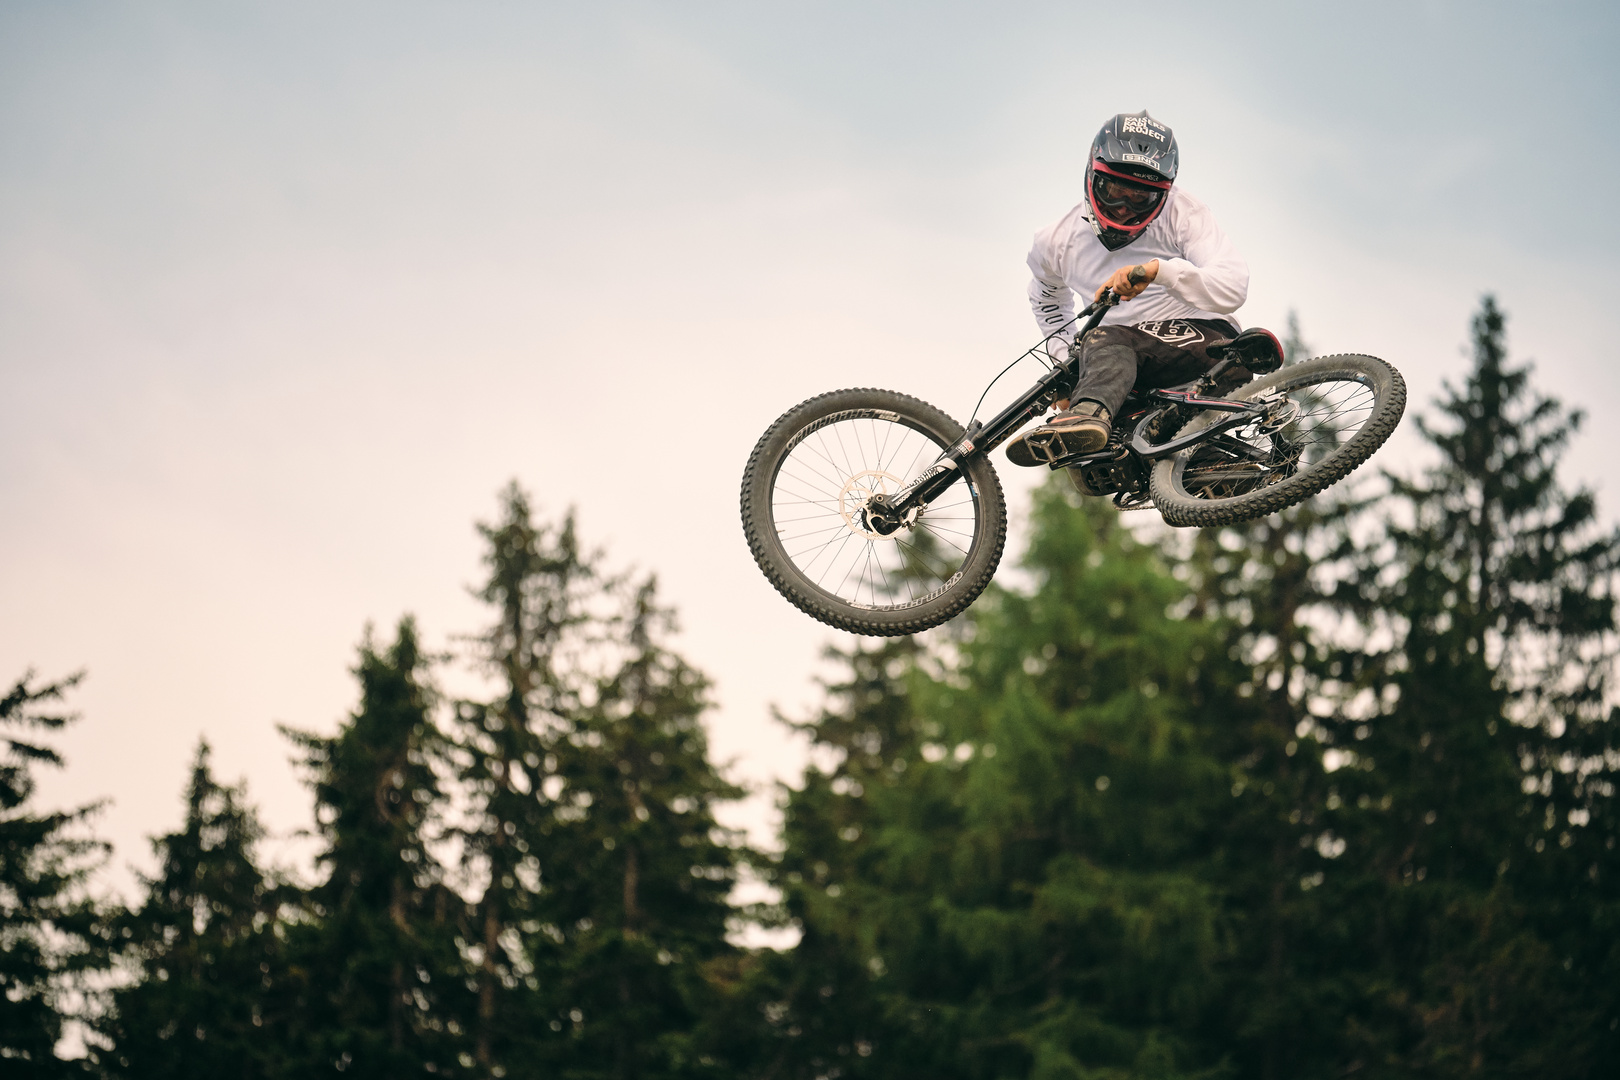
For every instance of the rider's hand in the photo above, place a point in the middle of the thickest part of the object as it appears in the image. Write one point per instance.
(1129, 281)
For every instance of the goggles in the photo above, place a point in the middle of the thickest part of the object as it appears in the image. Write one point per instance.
(1124, 200)
(1120, 195)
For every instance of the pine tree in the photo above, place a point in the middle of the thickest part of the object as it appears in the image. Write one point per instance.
(1258, 586)
(384, 975)
(639, 869)
(1267, 588)
(818, 1008)
(208, 996)
(1014, 884)
(48, 927)
(1470, 733)
(592, 820)
(542, 586)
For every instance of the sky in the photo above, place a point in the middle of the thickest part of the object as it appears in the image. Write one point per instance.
(289, 291)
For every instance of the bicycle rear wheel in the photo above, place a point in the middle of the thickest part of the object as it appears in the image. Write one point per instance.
(803, 493)
(1324, 418)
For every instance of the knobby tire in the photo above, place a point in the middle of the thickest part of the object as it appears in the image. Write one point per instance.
(811, 488)
(1182, 507)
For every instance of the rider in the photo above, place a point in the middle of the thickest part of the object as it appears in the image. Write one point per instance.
(1181, 265)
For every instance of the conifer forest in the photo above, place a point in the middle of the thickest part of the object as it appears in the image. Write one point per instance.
(1331, 794)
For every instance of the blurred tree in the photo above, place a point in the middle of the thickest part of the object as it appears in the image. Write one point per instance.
(817, 1009)
(48, 934)
(543, 587)
(1265, 587)
(209, 997)
(1295, 347)
(998, 864)
(640, 870)
(381, 976)
(1268, 587)
(1473, 727)
(602, 924)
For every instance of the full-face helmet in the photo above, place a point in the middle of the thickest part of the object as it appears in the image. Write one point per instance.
(1129, 172)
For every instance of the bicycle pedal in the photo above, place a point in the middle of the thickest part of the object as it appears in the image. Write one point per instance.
(1036, 448)
(1047, 445)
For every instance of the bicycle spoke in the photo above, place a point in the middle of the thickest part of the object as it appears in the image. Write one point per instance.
(823, 483)
(1317, 419)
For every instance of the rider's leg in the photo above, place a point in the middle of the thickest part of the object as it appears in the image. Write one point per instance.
(1113, 359)
(1107, 370)
(1176, 351)
(1108, 363)
(1168, 353)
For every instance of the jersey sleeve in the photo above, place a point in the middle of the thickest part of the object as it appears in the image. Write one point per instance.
(1212, 276)
(1050, 297)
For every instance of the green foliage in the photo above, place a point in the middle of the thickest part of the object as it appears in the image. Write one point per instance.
(206, 995)
(47, 925)
(996, 870)
(376, 962)
(638, 885)
(1475, 749)
(593, 821)
(1327, 794)
(1359, 807)
(541, 585)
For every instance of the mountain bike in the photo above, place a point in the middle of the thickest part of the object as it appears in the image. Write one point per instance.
(877, 513)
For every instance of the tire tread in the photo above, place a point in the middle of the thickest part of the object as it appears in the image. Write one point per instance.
(755, 486)
(1390, 405)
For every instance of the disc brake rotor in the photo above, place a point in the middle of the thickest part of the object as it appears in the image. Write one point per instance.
(859, 490)
(1282, 412)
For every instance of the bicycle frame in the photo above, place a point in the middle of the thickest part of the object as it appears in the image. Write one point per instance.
(887, 514)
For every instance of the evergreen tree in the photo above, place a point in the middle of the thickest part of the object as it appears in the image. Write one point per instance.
(1267, 588)
(384, 977)
(816, 1008)
(208, 998)
(48, 927)
(592, 820)
(542, 586)
(1001, 874)
(639, 869)
(1477, 737)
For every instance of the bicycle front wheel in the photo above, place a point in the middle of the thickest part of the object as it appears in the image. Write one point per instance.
(1324, 417)
(803, 493)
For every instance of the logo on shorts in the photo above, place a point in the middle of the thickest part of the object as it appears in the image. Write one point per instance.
(1172, 331)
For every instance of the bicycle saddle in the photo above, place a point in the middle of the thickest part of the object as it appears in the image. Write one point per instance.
(1256, 349)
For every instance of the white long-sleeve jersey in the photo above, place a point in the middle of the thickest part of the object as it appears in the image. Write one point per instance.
(1201, 275)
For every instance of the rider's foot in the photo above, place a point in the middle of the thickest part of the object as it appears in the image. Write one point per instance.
(1082, 429)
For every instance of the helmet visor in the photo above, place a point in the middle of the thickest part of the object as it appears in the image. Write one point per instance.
(1124, 201)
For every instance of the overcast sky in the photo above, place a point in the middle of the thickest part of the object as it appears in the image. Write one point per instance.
(288, 291)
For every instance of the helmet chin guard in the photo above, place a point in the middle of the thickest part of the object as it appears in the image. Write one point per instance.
(1129, 172)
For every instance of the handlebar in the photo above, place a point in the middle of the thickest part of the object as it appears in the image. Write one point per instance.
(1094, 312)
